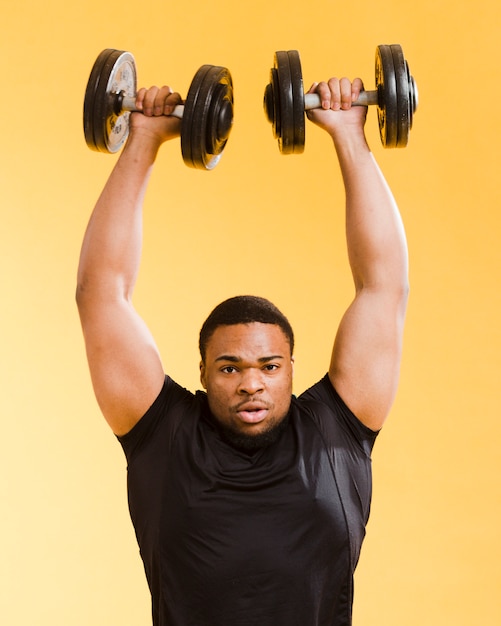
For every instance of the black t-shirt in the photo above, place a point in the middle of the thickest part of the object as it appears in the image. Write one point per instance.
(235, 539)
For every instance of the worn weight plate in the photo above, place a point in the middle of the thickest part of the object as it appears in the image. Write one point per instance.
(105, 127)
(403, 96)
(207, 117)
(387, 109)
(297, 101)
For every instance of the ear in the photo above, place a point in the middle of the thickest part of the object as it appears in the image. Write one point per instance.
(202, 375)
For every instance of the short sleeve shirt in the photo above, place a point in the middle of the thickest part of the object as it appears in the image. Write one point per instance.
(264, 539)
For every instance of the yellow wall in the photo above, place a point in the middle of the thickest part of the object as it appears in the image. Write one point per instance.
(262, 223)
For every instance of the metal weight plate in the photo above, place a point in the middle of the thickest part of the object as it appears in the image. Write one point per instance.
(413, 93)
(105, 127)
(90, 100)
(272, 103)
(207, 117)
(387, 108)
(286, 102)
(403, 96)
(297, 101)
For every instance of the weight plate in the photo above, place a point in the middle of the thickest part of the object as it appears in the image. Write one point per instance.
(90, 97)
(387, 109)
(105, 127)
(297, 101)
(207, 117)
(403, 96)
(272, 105)
(286, 102)
(413, 91)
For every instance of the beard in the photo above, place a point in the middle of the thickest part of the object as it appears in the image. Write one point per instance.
(252, 443)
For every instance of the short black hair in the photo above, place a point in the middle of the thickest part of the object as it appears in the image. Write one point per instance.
(244, 310)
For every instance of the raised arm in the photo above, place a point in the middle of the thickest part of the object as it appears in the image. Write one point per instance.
(365, 362)
(124, 363)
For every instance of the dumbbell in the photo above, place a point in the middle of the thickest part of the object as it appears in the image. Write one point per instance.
(396, 98)
(206, 115)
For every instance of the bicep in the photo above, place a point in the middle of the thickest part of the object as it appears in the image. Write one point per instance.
(365, 364)
(124, 363)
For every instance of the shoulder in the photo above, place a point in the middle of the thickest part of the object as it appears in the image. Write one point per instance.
(333, 417)
(173, 406)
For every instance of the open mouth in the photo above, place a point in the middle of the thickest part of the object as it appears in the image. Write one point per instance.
(252, 415)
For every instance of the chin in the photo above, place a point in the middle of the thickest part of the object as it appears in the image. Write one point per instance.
(249, 443)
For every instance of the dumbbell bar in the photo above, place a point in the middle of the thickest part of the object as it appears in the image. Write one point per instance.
(396, 97)
(207, 114)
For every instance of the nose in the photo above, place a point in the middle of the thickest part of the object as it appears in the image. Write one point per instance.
(251, 382)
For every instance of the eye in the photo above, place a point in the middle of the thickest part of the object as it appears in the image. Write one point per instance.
(270, 367)
(228, 369)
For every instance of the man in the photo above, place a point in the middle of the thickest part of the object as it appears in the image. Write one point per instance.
(249, 504)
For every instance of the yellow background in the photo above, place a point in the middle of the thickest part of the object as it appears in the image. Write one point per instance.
(260, 223)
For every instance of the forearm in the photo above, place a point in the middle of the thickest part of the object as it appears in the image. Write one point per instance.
(111, 249)
(375, 235)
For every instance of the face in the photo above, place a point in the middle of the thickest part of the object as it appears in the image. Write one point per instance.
(247, 374)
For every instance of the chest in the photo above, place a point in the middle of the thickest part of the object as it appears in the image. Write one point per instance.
(279, 507)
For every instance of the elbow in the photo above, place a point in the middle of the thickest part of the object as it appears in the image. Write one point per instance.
(396, 287)
(402, 297)
(91, 292)
(81, 295)
(88, 290)
(401, 290)
(404, 289)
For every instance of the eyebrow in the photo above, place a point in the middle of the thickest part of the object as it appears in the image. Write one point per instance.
(235, 359)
